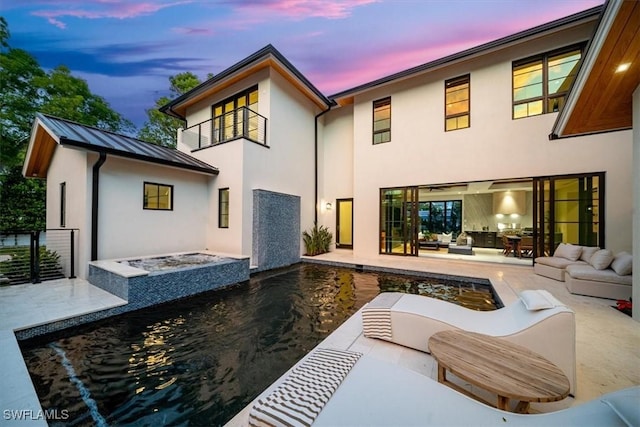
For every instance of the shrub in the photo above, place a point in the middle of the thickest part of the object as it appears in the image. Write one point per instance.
(317, 241)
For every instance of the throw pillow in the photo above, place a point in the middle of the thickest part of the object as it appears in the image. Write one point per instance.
(539, 300)
(587, 252)
(461, 240)
(622, 263)
(568, 251)
(601, 259)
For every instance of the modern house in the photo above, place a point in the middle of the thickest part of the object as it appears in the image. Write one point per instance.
(475, 142)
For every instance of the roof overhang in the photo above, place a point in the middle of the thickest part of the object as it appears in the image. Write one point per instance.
(42, 144)
(267, 57)
(601, 97)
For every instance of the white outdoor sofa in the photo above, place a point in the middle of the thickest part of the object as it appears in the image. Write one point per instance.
(537, 321)
(371, 392)
(588, 270)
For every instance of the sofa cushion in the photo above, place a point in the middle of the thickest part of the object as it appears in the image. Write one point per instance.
(568, 251)
(622, 263)
(587, 272)
(601, 259)
(556, 262)
(587, 252)
(626, 407)
(461, 240)
(539, 300)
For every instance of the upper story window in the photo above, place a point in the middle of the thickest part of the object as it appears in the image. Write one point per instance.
(382, 120)
(158, 196)
(541, 83)
(456, 106)
(238, 116)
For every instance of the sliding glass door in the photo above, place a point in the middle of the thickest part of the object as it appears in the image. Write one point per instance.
(399, 221)
(568, 209)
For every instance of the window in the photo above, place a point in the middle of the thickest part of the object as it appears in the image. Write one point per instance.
(237, 117)
(158, 196)
(223, 208)
(540, 84)
(63, 204)
(440, 216)
(456, 106)
(382, 121)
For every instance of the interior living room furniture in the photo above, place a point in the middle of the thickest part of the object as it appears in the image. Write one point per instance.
(537, 321)
(526, 246)
(494, 364)
(462, 249)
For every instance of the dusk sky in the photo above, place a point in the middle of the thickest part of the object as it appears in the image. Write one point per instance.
(126, 50)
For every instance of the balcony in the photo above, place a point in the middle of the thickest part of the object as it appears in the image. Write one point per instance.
(236, 124)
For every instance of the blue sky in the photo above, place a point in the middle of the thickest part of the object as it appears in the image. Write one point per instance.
(126, 50)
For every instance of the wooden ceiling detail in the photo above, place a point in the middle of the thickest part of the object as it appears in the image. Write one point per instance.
(605, 101)
(41, 154)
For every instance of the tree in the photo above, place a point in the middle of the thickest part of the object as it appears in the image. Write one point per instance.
(26, 88)
(160, 128)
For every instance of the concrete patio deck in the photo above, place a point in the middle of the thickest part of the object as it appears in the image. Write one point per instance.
(608, 342)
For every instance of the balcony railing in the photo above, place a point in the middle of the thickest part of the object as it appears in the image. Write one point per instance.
(239, 123)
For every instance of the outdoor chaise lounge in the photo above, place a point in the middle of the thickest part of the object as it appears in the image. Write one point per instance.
(376, 393)
(537, 321)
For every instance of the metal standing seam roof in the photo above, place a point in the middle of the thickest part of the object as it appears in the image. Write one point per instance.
(90, 138)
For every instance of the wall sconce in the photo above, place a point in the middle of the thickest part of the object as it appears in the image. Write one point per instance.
(328, 206)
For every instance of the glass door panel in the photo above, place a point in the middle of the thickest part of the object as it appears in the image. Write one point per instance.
(398, 221)
(344, 226)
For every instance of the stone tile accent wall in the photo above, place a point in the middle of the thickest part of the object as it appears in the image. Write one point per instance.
(276, 230)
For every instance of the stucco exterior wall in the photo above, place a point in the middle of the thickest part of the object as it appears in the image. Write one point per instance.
(285, 166)
(335, 173)
(73, 168)
(128, 230)
(494, 147)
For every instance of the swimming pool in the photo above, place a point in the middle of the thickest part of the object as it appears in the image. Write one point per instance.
(199, 360)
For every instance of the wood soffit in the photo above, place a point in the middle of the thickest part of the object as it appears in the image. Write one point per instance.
(606, 98)
(41, 154)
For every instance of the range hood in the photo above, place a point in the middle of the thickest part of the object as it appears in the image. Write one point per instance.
(509, 203)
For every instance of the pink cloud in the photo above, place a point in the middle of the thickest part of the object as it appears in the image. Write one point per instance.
(301, 9)
(114, 9)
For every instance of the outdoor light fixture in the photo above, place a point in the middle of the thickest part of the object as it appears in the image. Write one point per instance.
(623, 67)
(328, 206)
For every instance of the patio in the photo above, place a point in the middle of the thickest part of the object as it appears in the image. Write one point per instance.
(608, 341)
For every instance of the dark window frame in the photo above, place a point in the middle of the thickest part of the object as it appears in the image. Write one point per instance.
(158, 185)
(458, 81)
(220, 138)
(223, 209)
(63, 204)
(545, 97)
(377, 104)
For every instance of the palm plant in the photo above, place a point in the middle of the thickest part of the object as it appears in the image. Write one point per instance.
(317, 240)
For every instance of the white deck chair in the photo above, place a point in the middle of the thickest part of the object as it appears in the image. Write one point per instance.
(536, 321)
(377, 393)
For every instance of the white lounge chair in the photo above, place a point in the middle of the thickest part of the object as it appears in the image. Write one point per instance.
(377, 393)
(537, 321)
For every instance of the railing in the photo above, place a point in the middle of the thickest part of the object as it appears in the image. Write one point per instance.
(34, 256)
(239, 123)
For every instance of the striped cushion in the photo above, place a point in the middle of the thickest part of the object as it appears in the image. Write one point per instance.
(305, 391)
(376, 316)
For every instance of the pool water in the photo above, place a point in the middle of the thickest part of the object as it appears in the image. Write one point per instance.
(199, 361)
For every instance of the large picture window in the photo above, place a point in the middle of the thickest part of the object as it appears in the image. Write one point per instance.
(457, 103)
(158, 196)
(382, 120)
(541, 84)
(223, 208)
(440, 216)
